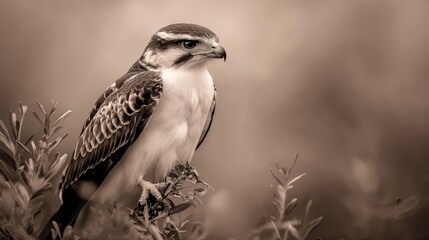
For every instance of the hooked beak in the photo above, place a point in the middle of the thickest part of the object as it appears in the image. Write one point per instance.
(217, 52)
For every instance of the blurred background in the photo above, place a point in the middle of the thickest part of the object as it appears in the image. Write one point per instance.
(344, 83)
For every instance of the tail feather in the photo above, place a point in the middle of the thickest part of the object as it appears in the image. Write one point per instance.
(66, 214)
(72, 202)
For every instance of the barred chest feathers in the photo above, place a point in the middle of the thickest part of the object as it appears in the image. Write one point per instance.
(171, 135)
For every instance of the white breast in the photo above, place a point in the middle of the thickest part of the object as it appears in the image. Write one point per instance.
(170, 136)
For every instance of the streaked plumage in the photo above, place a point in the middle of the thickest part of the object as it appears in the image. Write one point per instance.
(150, 119)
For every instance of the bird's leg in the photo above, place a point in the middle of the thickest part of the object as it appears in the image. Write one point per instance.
(150, 188)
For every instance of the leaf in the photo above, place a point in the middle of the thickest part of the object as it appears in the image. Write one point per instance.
(315, 222)
(6, 141)
(42, 108)
(68, 232)
(55, 157)
(41, 191)
(293, 164)
(39, 119)
(173, 175)
(307, 209)
(14, 124)
(61, 118)
(56, 167)
(297, 178)
(57, 229)
(180, 208)
(291, 206)
(29, 139)
(5, 129)
(407, 206)
(54, 143)
(53, 108)
(54, 234)
(182, 225)
(7, 158)
(279, 180)
(275, 228)
(22, 110)
(192, 170)
(398, 209)
(34, 148)
(310, 226)
(26, 149)
(6, 169)
(156, 233)
(178, 195)
(207, 185)
(293, 231)
(200, 191)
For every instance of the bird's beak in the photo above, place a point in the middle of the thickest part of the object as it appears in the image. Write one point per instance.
(217, 52)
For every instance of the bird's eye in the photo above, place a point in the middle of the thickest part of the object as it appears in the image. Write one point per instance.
(188, 44)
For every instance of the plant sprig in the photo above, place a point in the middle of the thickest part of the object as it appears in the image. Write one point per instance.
(27, 167)
(183, 189)
(284, 226)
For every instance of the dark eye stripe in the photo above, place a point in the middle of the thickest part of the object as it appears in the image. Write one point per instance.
(184, 58)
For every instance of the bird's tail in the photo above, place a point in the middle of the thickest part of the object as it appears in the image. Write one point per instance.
(66, 214)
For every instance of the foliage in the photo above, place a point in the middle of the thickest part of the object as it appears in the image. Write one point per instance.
(153, 220)
(283, 226)
(157, 213)
(26, 169)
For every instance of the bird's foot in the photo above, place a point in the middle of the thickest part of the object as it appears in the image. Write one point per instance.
(156, 200)
(151, 200)
(149, 188)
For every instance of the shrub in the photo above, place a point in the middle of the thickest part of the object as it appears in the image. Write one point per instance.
(284, 226)
(26, 169)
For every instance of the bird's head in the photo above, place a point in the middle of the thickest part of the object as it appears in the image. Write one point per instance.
(182, 45)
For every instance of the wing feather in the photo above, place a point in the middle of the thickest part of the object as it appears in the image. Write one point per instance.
(116, 124)
(109, 91)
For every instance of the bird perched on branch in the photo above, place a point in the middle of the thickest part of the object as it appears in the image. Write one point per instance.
(150, 119)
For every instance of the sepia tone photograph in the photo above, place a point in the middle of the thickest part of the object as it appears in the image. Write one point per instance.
(214, 120)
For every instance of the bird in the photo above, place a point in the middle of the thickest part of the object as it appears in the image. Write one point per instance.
(150, 119)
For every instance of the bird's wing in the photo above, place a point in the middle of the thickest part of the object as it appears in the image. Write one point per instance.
(209, 120)
(115, 125)
(109, 91)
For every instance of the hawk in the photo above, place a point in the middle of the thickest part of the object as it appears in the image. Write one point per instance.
(150, 119)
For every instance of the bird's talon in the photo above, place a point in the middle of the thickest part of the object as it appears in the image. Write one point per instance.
(150, 189)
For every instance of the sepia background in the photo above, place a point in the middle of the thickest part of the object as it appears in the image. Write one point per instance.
(344, 83)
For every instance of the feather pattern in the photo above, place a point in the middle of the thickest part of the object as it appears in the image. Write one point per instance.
(120, 118)
(109, 91)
